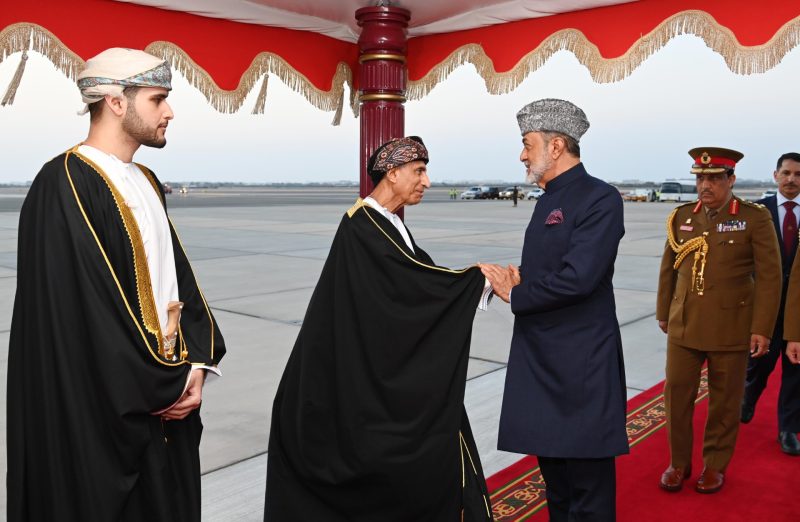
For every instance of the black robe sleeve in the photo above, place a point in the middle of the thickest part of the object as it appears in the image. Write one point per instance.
(368, 422)
(84, 369)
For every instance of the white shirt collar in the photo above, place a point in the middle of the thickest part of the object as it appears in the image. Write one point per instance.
(783, 199)
(393, 218)
(369, 200)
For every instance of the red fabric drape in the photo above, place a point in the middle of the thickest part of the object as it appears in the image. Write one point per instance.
(223, 48)
(612, 29)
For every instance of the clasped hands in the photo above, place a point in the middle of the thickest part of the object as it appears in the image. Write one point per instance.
(190, 400)
(501, 279)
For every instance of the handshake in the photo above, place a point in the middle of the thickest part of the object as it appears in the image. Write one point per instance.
(501, 279)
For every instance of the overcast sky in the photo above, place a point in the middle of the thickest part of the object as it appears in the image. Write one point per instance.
(641, 128)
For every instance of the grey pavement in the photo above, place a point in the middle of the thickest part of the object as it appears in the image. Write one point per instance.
(257, 254)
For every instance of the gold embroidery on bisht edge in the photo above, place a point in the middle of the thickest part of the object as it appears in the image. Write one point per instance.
(432, 267)
(110, 268)
(151, 178)
(463, 444)
(199, 290)
(359, 203)
(144, 286)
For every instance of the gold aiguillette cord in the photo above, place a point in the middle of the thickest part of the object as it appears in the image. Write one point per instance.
(698, 245)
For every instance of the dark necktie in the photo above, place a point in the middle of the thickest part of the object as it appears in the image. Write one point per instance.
(789, 228)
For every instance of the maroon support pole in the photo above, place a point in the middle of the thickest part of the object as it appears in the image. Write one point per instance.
(382, 80)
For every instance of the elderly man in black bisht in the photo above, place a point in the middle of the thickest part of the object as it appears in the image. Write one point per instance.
(368, 423)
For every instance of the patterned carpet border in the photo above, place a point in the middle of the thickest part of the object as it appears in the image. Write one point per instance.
(524, 496)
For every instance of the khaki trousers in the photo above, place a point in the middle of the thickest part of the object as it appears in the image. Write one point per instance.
(726, 377)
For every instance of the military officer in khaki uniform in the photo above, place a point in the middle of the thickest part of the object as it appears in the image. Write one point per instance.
(718, 296)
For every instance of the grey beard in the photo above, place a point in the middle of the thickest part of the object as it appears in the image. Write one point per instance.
(533, 177)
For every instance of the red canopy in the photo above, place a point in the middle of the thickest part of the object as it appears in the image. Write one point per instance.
(225, 59)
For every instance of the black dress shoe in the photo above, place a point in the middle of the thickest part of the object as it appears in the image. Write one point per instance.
(789, 443)
(748, 410)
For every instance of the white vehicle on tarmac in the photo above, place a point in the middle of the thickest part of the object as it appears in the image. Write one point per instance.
(678, 190)
(472, 193)
(535, 193)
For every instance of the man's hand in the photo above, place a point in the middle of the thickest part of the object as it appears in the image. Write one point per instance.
(663, 326)
(191, 398)
(759, 345)
(501, 279)
(793, 352)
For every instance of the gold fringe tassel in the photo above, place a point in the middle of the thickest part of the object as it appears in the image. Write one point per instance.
(263, 64)
(26, 36)
(740, 59)
(261, 101)
(31, 37)
(11, 92)
(337, 116)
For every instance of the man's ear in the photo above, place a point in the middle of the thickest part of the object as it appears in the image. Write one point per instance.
(559, 145)
(391, 175)
(118, 105)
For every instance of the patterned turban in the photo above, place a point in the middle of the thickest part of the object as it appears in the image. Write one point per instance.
(395, 153)
(111, 71)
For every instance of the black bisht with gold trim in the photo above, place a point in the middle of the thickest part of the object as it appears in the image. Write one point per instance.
(368, 423)
(85, 363)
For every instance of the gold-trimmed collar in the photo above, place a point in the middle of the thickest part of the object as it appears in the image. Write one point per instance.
(144, 286)
(136, 321)
(357, 205)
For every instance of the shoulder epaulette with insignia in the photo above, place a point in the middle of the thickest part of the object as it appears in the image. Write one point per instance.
(751, 203)
(352, 210)
(690, 203)
(675, 210)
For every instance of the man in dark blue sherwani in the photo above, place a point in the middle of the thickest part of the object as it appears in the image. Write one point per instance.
(564, 398)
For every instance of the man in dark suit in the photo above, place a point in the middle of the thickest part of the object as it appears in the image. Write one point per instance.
(785, 210)
(564, 397)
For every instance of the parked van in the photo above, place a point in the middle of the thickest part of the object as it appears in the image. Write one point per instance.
(678, 190)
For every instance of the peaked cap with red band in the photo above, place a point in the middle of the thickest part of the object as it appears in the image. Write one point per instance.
(711, 160)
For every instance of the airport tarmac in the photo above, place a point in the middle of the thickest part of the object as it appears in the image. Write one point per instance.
(257, 254)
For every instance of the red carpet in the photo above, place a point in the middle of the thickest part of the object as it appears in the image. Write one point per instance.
(762, 483)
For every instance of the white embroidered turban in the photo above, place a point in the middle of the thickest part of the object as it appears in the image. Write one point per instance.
(111, 71)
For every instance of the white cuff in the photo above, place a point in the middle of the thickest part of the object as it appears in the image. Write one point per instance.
(213, 369)
(486, 296)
